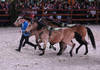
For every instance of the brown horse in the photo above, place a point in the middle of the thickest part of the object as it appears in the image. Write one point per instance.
(82, 30)
(62, 36)
(20, 20)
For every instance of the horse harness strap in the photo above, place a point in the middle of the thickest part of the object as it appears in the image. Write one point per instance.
(50, 29)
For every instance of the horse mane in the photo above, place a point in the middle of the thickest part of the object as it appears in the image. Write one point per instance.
(53, 22)
(40, 25)
(73, 25)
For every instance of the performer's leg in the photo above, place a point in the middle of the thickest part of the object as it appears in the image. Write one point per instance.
(27, 41)
(21, 41)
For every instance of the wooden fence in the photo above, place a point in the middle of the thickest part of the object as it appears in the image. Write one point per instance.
(81, 14)
(4, 16)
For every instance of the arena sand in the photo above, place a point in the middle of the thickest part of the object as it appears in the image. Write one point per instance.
(29, 59)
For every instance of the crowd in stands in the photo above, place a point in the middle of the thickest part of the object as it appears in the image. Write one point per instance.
(54, 7)
(55, 4)
(58, 4)
(4, 6)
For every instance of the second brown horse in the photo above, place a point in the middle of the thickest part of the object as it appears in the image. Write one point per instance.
(62, 36)
(80, 29)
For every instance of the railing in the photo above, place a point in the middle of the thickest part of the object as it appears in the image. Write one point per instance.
(3, 15)
(81, 14)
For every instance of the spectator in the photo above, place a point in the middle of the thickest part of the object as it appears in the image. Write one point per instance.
(35, 7)
(3, 7)
(59, 12)
(59, 5)
(30, 6)
(92, 11)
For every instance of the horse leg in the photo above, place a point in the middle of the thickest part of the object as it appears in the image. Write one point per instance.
(65, 46)
(44, 47)
(86, 50)
(43, 51)
(61, 47)
(78, 48)
(78, 38)
(86, 47)
(73, 45)
(51, 46)
(38, 45)
(81, 43)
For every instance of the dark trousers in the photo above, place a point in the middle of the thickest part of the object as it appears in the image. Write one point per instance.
(26, 38)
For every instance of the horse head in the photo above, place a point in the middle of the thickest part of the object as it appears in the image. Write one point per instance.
(42, 19)
(33, 26)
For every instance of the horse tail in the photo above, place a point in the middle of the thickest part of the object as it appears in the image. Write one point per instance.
(91, 36)
(78, 38)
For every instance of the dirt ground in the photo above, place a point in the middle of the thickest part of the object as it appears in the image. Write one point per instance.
(29, 59)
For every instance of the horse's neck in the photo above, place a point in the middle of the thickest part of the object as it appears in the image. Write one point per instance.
(74, 28)
(39, 31)
(49, 23)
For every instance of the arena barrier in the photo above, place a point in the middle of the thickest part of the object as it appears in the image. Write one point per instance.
(75, 15)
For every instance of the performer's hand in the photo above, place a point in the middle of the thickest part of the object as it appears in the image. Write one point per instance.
(22, 20)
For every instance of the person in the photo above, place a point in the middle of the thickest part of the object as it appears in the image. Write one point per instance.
(25, 35)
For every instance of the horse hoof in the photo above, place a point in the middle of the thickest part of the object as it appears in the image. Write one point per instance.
(50, 47)
(71, 55)
(85, 53)
(35, 47)
(41, 54)
(54, 49)
(59, 54)
(23, 45)
(41, 49)
(76, 52)
(17, 50)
